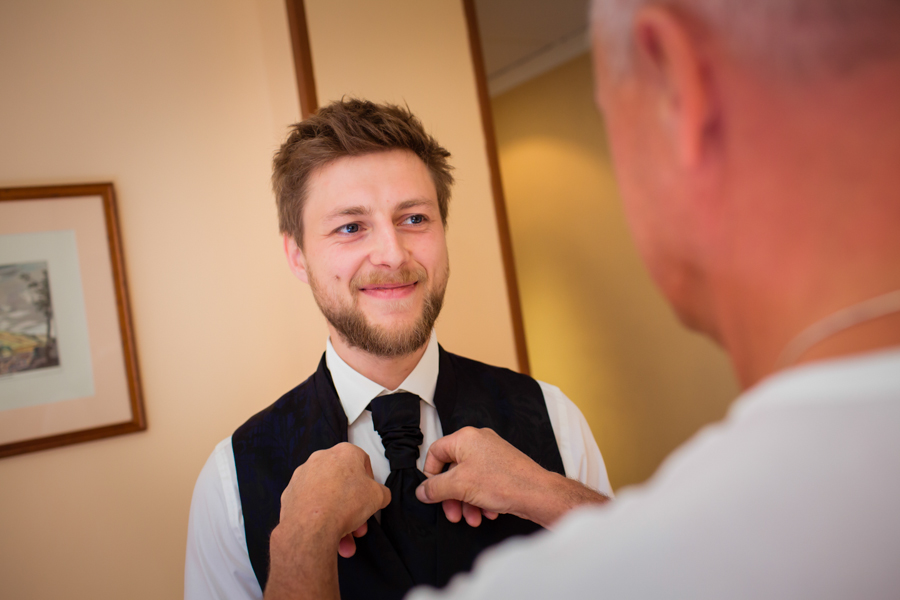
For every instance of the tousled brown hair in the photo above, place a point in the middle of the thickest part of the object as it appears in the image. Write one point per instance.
(350, 127)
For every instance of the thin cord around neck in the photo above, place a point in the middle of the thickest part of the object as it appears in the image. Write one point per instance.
(867, 310)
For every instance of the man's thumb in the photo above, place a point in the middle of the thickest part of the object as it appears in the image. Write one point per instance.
(429, 491)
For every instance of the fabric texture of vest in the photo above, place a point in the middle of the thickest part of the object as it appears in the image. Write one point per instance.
(274, 442)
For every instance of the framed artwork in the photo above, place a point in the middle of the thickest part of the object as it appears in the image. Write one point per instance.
(68, 367)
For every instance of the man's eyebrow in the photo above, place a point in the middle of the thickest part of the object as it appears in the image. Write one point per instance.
(348, 211)
(407, 204)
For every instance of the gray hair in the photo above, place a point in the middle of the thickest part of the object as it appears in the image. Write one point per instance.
(794, 37)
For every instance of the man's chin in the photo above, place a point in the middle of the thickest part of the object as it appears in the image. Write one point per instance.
(393, 325)
(409, 336)
(393, 345)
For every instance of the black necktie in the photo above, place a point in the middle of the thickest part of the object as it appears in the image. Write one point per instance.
(409, 524)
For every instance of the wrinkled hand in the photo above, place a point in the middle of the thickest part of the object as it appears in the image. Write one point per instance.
(489, 473)
(456, 510)
(327, 502)
(334, 489)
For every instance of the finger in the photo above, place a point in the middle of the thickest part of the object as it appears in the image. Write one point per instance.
(446, 486)
(452, 510)
(347, 546)
(368, 464)
(489, 514)
(472, 514)
(440, 453)
(385, 496)
(361, 530)
(437, 489)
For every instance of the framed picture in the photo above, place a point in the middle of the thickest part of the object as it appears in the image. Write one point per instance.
(68, 367)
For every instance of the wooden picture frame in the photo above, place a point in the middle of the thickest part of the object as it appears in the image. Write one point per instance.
(68, 365)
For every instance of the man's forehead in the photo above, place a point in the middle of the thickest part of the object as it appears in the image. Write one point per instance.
(339, 209)
(393, 176)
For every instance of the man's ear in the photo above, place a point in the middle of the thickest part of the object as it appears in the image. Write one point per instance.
(675, 68)
(295, 258)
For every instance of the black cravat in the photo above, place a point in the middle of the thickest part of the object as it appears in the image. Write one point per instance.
(409, 524)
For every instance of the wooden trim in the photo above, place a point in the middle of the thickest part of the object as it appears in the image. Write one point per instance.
(138, 420)
(303, 68)
(123, 303)
(490, 140)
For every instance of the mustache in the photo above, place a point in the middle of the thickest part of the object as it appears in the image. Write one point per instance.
(402, 276)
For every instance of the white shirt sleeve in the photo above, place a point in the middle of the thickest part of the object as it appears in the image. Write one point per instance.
(577, 446)
(217, 565)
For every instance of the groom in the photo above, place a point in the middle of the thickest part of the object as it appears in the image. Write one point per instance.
(363, 195)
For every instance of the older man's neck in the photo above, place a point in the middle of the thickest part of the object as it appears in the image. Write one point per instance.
(389, 372)
(812, 221)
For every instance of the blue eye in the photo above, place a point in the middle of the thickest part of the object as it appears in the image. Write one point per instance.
(416, 219)
(348, 228)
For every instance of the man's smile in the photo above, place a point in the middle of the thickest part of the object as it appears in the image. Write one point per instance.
(389, 291)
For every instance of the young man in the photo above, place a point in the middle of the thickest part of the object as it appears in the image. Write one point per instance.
(757, 147)
(363, 196)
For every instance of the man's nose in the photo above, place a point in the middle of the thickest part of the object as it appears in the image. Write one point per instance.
(388, 249)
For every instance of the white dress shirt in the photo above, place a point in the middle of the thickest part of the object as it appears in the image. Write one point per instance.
(794, 495)
(218, 564)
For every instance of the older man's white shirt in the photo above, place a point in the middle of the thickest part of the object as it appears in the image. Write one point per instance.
(794, 495)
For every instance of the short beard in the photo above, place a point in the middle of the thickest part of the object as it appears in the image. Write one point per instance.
(352, 326)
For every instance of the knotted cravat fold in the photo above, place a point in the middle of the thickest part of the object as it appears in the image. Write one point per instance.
(409, 524)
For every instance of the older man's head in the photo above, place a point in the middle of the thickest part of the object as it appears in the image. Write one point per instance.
(794, 37)
(756, 144)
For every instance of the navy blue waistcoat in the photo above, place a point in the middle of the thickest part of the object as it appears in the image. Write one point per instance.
(274, 442)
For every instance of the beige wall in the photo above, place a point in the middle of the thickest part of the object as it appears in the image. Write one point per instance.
(181, 104)
(595, 325)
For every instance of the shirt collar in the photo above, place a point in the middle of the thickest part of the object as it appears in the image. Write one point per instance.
(355, 390)
(855, 378)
